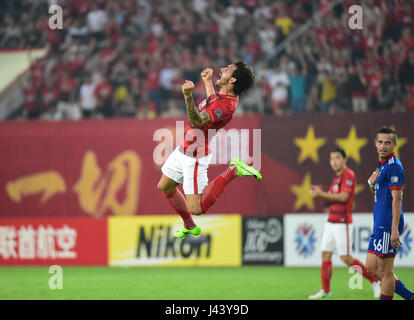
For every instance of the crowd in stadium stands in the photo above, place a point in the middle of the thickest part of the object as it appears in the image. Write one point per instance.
(129, 58)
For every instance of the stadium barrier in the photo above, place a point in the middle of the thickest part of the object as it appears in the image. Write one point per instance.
(262, 241)
(227, 240)
(149, 241)
(303, 233)
(49, 241)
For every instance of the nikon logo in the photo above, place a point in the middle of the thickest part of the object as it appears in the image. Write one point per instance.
(158, 242)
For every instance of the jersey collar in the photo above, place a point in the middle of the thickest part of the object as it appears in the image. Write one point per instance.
(387, 158)
(229, 96)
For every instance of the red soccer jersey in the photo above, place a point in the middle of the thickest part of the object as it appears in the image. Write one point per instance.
(339, 211)
(220, 108)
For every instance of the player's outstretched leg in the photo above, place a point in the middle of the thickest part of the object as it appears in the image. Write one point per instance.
(237, 168)
(177, 201)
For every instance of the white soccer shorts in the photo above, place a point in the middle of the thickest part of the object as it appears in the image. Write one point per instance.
(337, 237)
(191, 172)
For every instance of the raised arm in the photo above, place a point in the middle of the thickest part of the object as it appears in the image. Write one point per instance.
(195, 118)
(206, 75)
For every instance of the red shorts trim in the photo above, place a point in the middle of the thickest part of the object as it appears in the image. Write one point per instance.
(395, 188)
(382, 255)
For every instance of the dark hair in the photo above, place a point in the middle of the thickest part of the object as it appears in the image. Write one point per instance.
(244, 77)
(341, 151)
(387, 130)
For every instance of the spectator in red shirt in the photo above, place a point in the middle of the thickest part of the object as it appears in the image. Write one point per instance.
(409, 101)
(31, 103)
(50, 94)
(374, 82)
(103, 93)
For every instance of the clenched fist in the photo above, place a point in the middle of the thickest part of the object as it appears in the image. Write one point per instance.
(207, 74)
(187, 88)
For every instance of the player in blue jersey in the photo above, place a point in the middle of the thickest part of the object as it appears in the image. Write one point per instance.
(387, 184)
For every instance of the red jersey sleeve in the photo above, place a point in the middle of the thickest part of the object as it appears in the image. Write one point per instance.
(220, 110)
(348, 182)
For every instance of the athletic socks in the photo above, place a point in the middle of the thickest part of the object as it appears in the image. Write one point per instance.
(365, 273)
(326, 274)
(402, 290)
(384, 297)
(178, 202)
(211, 193)
(215, 188)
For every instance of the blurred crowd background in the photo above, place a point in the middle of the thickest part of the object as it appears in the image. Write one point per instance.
(129, 58)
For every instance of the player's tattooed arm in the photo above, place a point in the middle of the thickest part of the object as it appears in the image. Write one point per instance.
(195, 118)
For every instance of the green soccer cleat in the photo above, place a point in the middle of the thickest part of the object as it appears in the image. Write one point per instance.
(243, 170)
(184, 232)
(320, 295)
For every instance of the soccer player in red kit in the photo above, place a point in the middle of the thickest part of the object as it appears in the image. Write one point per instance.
(189, 162)
(337, 234)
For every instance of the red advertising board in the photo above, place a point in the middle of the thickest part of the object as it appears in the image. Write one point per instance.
(61, 241)
(100, 168)
(96, 169)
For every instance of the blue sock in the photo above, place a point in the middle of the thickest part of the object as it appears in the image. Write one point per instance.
(402, 290)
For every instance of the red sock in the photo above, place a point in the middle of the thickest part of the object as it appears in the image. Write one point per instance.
(365, 273)
(326, 274)
(215, 188)
(177, 201)
(384, 297)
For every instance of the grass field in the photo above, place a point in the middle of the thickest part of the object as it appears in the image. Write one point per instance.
(161, 283)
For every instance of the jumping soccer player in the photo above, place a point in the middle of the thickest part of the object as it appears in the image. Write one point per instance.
(387, 183)
(337, 234)
(189, 162)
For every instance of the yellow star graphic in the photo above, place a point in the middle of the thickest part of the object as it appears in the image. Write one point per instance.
(401, 141)
(303, 198)
(352, 144)
(309, 145)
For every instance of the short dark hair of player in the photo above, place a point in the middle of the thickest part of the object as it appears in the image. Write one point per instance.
(341, 151)
(244, 76)
(387, 130)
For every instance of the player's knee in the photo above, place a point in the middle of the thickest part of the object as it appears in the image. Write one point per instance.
(347, 259)
(326, 256)
(387, 273)
(197, 212)
(195, 209)
(165, 189)
(160, 186)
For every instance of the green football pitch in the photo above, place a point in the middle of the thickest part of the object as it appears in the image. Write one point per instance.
(170, 283)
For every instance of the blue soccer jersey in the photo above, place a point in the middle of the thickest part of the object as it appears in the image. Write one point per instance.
(391, 177)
